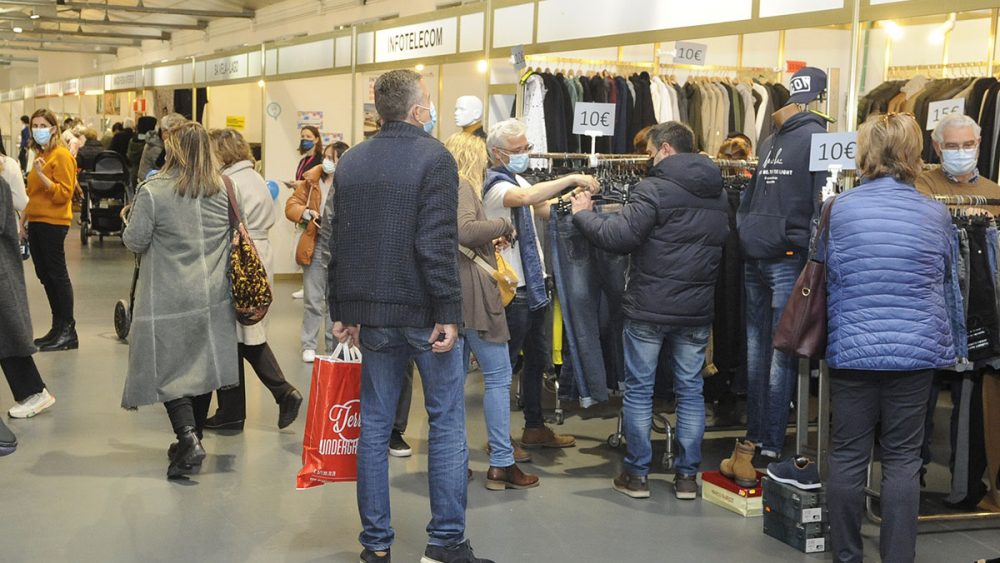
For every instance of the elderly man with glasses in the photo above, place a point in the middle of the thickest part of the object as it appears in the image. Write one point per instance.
(956, 142)
(506, 194)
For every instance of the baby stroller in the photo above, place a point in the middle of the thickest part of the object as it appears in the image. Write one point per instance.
(123, 309)
(106, 190)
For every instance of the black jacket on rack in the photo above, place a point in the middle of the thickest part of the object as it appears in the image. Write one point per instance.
(599, 93)
(988, 123)
(555, 113)
(675, 222)
(623, 111)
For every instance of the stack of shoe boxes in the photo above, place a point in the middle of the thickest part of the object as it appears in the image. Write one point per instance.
(719, 490)
(795, 516)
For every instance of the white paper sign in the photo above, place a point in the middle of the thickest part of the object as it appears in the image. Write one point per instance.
(937, 111)
(517, 57)
(690, 53)
(833, 148)
(227, 68)
(427, 39)
(590, 118)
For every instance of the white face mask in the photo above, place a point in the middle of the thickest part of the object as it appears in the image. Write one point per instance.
(959, 162)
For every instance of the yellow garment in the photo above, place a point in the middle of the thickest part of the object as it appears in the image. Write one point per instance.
(557, 332)
(54, 205)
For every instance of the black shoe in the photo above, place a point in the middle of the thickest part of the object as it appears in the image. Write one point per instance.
(187, 454)
(50, 335)
(288, 410)
(8, 442)
(218, 422)
(65, 339)
(461, 553)
(369, 556)
(398, 446)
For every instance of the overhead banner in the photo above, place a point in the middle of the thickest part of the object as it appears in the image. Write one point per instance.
(427, 39)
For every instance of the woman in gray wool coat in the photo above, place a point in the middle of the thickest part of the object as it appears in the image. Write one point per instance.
(183, 334)
(16, 345)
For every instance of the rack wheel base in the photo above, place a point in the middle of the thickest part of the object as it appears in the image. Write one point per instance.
(560, 417)
(123, 319)
(615, 441)
(668, 462)
(84, 233)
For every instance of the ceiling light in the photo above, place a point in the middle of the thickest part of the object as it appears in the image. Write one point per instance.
(419, 68)
(893, 30)
(260, 83)
(34, 16)
(482, 66)
(936, 37)
(18, 29)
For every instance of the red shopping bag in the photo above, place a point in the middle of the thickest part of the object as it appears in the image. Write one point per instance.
(333, 423)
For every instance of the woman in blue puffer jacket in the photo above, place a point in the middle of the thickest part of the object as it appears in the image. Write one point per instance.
(888, 265)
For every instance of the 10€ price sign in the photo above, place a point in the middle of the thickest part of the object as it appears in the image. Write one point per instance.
(833, 148)
(690, 53)
(593, 119)
(937, 111)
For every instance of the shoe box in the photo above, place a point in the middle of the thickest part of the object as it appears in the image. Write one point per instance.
(795, 516)
(722, 491)
(794, 503)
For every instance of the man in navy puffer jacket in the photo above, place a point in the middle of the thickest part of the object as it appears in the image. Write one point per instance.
(674, 226)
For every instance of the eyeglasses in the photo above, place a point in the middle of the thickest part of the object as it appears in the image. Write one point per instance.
(967, 146)
(520, 150)
(894, 114)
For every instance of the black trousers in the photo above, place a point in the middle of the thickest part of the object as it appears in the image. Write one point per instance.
(22, 376)
(896, 403)
(188, 412)
(233, 402)
(48, 254)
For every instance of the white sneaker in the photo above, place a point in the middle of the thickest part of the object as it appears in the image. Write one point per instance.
(308, 356)
(32, 405)
(298, 294)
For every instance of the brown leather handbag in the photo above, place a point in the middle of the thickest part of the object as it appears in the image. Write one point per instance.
(802, 329)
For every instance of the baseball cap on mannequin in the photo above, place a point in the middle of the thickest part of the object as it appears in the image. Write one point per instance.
(468, 110)
(806, 85)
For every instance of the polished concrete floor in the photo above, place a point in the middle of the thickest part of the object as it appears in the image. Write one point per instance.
(88, 480)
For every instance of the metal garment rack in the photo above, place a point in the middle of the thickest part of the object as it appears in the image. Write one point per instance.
(962, 366)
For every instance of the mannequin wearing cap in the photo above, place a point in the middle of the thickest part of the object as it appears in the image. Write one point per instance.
(469, 115)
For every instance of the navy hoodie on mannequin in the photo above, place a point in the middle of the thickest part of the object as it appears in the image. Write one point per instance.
(776, 213)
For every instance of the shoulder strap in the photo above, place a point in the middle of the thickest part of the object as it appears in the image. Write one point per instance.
(478, 260)
(823, 229)
(234, 212)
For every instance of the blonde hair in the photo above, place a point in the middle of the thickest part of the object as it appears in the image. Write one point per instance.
(470, 155)
(890, 145)
(229, 147)
(190, 162)
(56, 140)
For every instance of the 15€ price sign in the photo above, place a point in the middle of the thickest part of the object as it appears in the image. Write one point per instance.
(937, 111)
(590, 119)
(833, 148)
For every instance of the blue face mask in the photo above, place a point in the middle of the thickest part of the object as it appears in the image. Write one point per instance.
(429, 126)
(42, 135)
(329, 166)
(305, 145)
(517, 163)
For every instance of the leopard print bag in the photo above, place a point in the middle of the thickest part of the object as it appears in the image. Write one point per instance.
(251, 292)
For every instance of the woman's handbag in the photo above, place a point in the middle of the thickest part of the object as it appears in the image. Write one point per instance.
(505, 277)
(802, 328)
(251, 291)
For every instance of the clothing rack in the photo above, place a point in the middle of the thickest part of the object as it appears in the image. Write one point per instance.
(596, 157)
(967, 200)
(950, 70)
(602, 65)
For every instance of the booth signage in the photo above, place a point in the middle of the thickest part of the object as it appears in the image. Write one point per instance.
(832, 149)
(227, 68)
(122, 81)
(794, 66)
(427, 39)
(688, 53)
(937, 111)
(593, 119)
(237, 122)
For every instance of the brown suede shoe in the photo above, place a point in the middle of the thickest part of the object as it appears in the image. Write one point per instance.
(544, 437)
(520, 456)
(739, 466)
(502, 478)
(631, 485)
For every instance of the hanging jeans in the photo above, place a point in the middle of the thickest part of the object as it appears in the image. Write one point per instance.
(770, 373)
(982, 318)
(954, 298)
(591, 284)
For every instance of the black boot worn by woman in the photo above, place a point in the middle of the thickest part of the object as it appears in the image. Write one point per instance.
(188, 454)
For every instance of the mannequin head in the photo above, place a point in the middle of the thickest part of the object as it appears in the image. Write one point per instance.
(468, 110)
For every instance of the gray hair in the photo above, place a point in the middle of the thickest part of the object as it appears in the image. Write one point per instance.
(955, 121)
(172, 121)
(502, 131)
(674, 133)
(396, 92)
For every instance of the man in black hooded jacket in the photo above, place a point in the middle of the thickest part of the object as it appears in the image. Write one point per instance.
(674, 226)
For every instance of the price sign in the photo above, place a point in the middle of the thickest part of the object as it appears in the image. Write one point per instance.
(517, 57)
(833, 148)
(591, 119)
(937, 111)
(690, 53)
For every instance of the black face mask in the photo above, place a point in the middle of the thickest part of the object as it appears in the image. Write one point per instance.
(305, 146)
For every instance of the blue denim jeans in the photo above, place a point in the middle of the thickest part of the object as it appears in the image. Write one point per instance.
(494, 360)
(386, 352)
(530, 331)
(591, 284)
(954, 299)
(771, 375)
(686, 346)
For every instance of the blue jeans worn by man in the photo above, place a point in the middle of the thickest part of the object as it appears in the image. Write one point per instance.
(386, 352)
(687, 345)
(770, 373)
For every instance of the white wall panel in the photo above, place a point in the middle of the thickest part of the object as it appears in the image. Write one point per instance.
(771, 8)
(305, 57)
(471, 33)
(512, 25)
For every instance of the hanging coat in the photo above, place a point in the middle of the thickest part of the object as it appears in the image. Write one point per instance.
(15, 319)
(182, 341)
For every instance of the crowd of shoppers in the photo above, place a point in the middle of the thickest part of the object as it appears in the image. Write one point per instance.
(399, 261)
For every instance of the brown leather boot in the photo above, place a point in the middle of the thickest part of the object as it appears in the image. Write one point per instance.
(739, 466)
(544, 437)
(502, 478)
